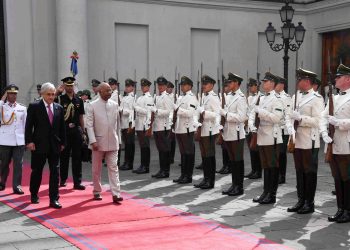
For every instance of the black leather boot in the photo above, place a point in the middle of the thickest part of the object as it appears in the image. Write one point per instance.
(310, 189)
(282, 168)
(345, 217)
(188, 169)
(205, 173)
(300, 192)
(266, 186)
(161, 163)
(166, 165)
(239, 177)
(340, 200)
(233, 173)
(183, 169)
(270, 198)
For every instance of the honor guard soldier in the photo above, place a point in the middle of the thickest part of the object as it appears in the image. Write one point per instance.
(126, 110)
(340, 154)
(86, 152)
(235, 115)
(226, 168)
(12, 125)
(38, 89)
(143, 108)
(306, 138)
(269, 111)
(287, 105)
(209, 125)
(186, 116)
(95, 83)
(169, 90)
(114, 84)
(161, 127)
(74, 120)
(255, 173)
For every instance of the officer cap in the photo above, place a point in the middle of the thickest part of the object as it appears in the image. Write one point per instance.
(12, 88)
(68, 81)
(186, 80)
(112, 81)
(170, 85)
(95, 83)
(38, 87)
(270, 77)
(342, 70)
(162, 81)
(305, 74)
(86, 92)
(252, 82)
(129, 82)
(234, 78)
(207, 79)
(79, 93)
(281, 80)
(145, 82)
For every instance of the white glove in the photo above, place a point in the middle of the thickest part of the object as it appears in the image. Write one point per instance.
(291, 130)
(223, 112)
(295, 115)
(200, 109)
(176, 106)
(257, 109)
(198, 124)
(153, 109)
(253, 129)
(326, 138)
(332, 120)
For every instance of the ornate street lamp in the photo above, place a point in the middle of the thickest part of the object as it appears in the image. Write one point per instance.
(289, 32)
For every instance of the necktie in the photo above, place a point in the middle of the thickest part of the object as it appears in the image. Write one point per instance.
(50, 114)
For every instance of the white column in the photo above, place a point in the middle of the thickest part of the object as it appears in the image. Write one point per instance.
(71, 17)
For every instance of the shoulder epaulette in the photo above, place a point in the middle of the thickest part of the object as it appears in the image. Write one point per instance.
(277, 95)
(241, 94)
(286, 94)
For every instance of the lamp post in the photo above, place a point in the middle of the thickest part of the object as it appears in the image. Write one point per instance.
(289, 32)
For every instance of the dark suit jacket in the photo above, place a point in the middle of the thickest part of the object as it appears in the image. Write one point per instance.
(47, 138)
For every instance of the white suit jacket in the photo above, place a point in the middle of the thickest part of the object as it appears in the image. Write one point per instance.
(103, 124)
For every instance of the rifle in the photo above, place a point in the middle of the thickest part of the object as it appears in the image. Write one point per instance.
(254, 138)
(223, 119)
(331, 129)
(291, 142)
(175, 99)
(149, 130)
(218, 79)
(201, 117)
(130, 128)
(198, 97)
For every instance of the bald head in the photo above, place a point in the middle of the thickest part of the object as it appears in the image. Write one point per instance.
(105, 91)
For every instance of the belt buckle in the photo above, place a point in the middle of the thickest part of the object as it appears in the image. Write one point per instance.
(71, 125)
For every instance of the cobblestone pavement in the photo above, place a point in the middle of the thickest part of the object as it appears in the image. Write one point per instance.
(268, 221)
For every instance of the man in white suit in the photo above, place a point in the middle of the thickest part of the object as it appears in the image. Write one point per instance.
(103, 128)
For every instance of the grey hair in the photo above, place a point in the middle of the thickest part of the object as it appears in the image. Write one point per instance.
(47, 86)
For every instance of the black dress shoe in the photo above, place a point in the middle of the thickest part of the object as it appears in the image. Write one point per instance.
(308, 208)
(336, 216)
(260, 198)
(63, 184)
(179, 179)
(200, 184)
(225, 192)
(125, 166)
(157, 174)
(2, 187)
(142, 170)
(55, 204)
(255, 175)
(236, 191)
(163, 175)
(18, 191)
(34, 199)
(185, 180)
(79, 187)
(97, 197)
(296, 207)
(117, 199)
(269, 199)
(345, 217)
(226, 170)
(207, 185)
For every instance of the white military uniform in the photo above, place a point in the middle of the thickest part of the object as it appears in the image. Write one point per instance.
(95, 96)
(269, 129)
(103, 127)
(251, 101)
(186, 114)
(127, 110)
(287, 107)
(236, 108)
(164, 108)
(143, 107)
(341, 139)
(309, 106)
(211, 122)
(13, 120)
(115, 95)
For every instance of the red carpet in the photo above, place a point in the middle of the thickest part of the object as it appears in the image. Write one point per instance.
(136, 224)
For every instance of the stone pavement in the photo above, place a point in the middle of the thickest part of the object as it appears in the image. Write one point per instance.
(267, 221)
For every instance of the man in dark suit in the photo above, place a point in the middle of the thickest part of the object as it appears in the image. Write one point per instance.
(45, 137)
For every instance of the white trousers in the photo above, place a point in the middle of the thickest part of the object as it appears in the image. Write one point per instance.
(111, 158)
